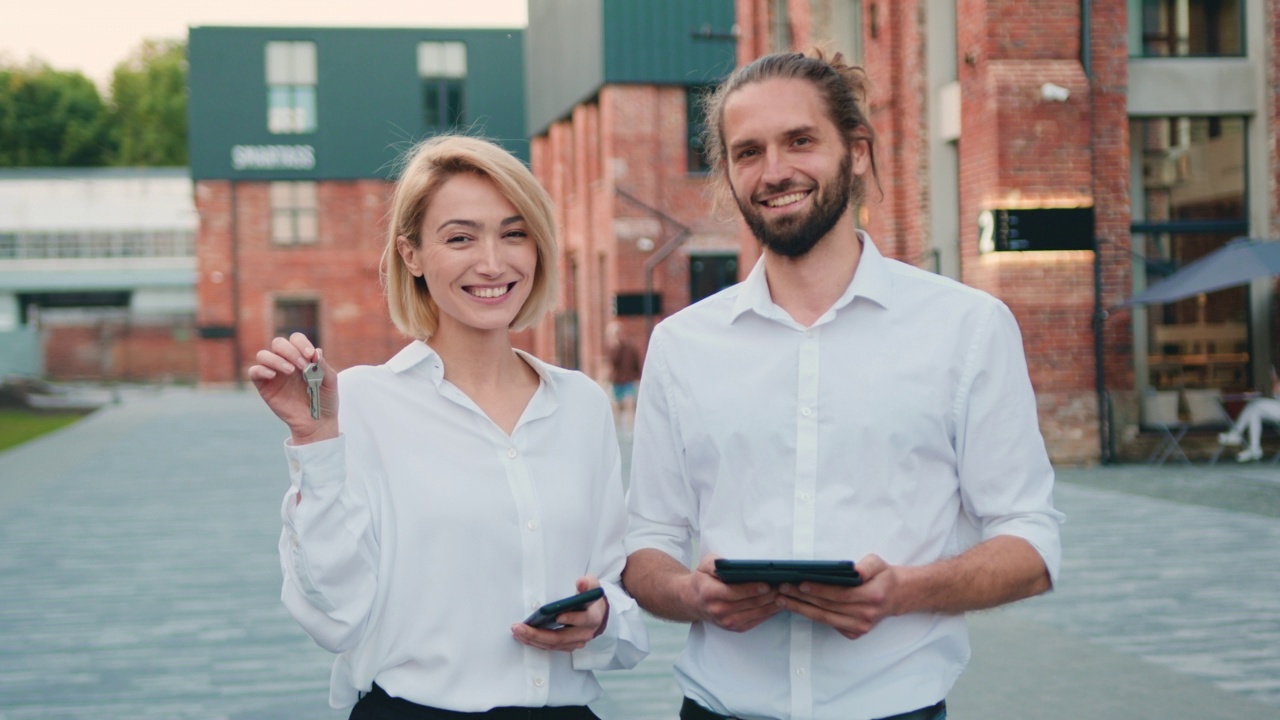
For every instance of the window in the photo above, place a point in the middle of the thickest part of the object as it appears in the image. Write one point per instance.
(1192, 202)
(298, 315)
(291, 87)
(1186, 28)
(779, 26)
(293, 213)
(709, 274)
(443, 69)
(696, 125)
(846, 29)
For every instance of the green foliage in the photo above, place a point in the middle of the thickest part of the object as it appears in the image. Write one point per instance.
(149, 105)
(55, 118)
(51, 118)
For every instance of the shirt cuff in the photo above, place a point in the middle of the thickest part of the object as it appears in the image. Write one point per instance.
(1040, 531)
(317, 464)
(624, 642)
(644, 534)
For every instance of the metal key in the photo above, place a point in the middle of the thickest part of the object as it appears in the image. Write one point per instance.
(314, 376)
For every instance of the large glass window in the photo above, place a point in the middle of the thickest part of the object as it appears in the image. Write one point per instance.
(291, 87)
(1192, 202)
(293, 213)
(1186, 28)
(443, 69)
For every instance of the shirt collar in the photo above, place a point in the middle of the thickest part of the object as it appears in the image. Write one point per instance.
(871, 281)
(418, 354)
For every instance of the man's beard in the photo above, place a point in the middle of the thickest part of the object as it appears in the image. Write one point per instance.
(794, 236)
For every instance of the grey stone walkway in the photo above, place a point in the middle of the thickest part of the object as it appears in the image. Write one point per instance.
(139, 579)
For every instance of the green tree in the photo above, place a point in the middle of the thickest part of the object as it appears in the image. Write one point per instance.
(51, 118)
(149, 105)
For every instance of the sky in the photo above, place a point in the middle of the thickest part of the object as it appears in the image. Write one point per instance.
(92, 36)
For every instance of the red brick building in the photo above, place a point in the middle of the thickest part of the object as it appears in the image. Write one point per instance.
(988, 109)
(294, 137)
(613, 119)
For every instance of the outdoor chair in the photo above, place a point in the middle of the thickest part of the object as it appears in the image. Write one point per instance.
(1160, 411)
(1205, 411)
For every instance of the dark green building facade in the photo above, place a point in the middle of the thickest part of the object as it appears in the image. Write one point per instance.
(575, 47)
(343, 103)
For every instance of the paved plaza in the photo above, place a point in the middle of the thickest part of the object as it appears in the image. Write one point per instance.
(139, 579)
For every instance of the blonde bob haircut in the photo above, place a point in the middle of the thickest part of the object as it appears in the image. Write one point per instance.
(427, 166)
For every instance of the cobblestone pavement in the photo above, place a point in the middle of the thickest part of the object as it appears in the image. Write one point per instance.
(139, 579)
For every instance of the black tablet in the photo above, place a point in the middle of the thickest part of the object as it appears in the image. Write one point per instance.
(776, 572)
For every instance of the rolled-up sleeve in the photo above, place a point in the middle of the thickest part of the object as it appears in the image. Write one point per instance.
(661, 503)
(1006, 479)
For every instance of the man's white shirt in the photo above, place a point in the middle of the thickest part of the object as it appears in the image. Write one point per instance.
(901, 423)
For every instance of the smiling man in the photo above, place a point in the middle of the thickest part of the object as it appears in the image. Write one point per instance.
(836, 405)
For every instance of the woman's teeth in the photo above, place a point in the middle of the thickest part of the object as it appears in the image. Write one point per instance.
(492, 292)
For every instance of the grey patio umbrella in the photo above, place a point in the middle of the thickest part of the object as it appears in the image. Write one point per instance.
(1235, 263)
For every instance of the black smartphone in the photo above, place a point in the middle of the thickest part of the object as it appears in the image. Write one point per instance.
(545, 616)
(776, 572)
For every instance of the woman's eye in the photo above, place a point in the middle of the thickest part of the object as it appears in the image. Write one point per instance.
(517, 234)
(457, 239)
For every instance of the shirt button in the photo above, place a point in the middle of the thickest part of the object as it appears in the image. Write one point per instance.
(295, 466)
(804, 497)
(533, 524)
(800, 672)
(806, 412)
(294, 540)
(808, 333)
(537, 682)
(511, 453)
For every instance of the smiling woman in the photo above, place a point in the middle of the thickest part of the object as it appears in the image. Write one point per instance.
(462, 465)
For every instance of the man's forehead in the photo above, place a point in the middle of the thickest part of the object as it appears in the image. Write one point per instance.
(776, 105)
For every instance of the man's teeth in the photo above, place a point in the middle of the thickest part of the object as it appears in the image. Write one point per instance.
(786, 199)
(492, 292)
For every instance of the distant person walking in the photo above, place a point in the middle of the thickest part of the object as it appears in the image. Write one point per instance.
(462, 483)
(624, 374)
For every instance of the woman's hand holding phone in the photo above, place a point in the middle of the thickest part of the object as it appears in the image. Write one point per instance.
(576, 627)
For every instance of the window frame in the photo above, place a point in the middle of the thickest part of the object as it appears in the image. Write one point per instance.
(300, 202)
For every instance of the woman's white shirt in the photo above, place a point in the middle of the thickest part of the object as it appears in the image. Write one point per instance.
(423, 532)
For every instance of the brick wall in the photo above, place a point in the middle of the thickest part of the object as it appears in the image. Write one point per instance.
(123, 351)
(1017, 150)
(616, 170)
(241, 274)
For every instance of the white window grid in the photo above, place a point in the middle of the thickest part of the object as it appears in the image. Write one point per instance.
(96, 244)
(293, 213)
(291, 87)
